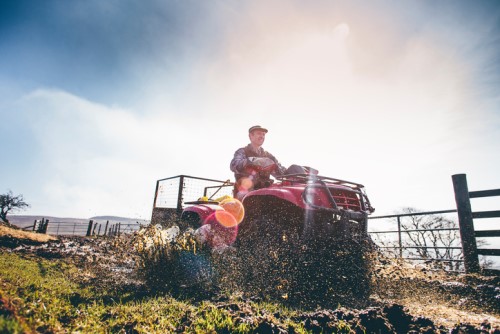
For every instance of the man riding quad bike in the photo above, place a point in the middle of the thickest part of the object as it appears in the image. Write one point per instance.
(303, 236)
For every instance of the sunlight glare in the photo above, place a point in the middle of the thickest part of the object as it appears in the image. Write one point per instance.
(235, 208)
(222, 230)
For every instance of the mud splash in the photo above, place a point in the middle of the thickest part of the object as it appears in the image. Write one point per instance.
(455, 298)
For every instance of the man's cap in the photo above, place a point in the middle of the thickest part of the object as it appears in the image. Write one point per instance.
(257, 127)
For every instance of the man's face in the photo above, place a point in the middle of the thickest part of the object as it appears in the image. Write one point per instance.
(257, 137)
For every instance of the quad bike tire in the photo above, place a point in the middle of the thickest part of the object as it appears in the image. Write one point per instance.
(282, 260)
(268, 256)
(334, 271)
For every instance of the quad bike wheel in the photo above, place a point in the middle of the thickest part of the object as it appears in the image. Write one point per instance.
(287, 261)
(334, 271)
(269, 253)
(268, 247)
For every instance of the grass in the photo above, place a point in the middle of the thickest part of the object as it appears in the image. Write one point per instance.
(39, 295)
(26, 236)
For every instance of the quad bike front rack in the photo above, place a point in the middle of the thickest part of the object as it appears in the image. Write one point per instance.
(322, 182)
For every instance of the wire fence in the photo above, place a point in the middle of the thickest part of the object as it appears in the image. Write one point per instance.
(92, 228)
(424, 237)
(175, 191)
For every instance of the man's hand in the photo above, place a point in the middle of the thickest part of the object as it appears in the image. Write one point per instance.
(261, 164)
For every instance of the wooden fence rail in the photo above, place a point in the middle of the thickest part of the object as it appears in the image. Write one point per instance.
(466, 222)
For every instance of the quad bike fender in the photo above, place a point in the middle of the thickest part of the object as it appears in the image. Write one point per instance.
(289, 194)
(314, 198)
(202, 210)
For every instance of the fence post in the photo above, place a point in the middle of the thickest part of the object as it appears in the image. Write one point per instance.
(93, 230)
(45, 226)
(179, 195)
(106, 228)
(399, 238)
(39, 228)
(34, 225)
(466, 224)
(89, 229)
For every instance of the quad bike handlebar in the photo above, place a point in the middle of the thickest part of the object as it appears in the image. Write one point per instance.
(262, 165)
(262, 168)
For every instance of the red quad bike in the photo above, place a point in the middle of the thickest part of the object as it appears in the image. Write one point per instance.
(303, 238)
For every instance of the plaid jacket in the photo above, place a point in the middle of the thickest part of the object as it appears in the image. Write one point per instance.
(240, 160)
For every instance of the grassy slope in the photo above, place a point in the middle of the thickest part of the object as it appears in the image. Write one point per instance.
(39, 295)
(45, 296)
(24, 236)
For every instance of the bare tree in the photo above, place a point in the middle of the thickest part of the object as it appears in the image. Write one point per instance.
(432, 238)
(9, 202)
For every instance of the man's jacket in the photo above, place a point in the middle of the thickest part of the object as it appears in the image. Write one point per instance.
(240, 160)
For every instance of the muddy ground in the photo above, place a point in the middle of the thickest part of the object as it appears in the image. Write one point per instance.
(404, 299)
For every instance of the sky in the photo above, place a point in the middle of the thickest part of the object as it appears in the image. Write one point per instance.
(99, 99)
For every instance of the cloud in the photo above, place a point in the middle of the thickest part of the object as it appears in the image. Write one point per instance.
(96, 158)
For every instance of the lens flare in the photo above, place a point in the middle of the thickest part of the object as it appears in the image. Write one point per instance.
(235, 208)
(225, 218)
(245, 184)
(223, 229)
